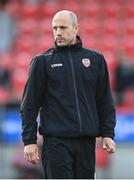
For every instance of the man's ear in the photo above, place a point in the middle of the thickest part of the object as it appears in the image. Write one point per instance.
(76, 28)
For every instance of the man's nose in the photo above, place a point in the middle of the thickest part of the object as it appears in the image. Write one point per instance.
(59, 31)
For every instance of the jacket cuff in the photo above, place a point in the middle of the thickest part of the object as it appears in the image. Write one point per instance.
(108, 135)
(30, 142)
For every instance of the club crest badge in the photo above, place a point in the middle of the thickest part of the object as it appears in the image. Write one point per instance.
(86, 62)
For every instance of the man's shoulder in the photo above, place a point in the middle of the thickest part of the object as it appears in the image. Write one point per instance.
(46, 53)
(92, 52)
(42, 57)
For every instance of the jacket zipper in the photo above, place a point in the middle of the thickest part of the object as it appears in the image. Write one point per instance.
(75, 89)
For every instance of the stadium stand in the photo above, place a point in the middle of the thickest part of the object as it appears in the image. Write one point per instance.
(106, 26)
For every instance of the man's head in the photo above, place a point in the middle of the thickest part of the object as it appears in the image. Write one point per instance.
(65, 28)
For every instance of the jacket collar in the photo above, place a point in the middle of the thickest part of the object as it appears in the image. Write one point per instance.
(74, 47)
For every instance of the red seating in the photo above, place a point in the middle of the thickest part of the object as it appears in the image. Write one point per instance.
(129, 27)
(29, 10)
(111, 9)
(90, 27)
(72, 6)
(4, 95)
(6, 60)
(108, 44)
(128, 45)
(91, 9)
(90, 41)
(104, 25)
(22, 60)
(44, 43)
(111, 63)
(111, 60)
(25, 44)
(27, 27)
(14, 8)
(49, 8)
(18, 78)
(129, 9)
(45, 27)
(110, 27)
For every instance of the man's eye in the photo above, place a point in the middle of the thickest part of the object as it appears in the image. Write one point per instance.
(63, 27)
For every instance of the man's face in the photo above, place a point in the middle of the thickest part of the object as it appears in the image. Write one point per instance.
(64, 31)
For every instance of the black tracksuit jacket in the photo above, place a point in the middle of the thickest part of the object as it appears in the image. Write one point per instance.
(69, 87)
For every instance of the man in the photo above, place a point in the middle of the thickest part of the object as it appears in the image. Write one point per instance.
(69, 86)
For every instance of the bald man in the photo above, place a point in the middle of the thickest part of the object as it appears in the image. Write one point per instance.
(68, 85)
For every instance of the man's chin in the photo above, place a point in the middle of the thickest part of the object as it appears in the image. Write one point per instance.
(61, 44)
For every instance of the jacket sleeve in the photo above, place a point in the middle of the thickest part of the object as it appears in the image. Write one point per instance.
(104, 100)
(32, 100)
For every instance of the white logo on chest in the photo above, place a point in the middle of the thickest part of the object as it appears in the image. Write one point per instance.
(86, 62)
(56, 65)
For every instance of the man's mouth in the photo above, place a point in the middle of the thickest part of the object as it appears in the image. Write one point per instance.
(59, 40)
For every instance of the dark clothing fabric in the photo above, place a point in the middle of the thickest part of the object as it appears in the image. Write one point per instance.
(68, 158)
(5, 78)
(124, 75)
(70, 88)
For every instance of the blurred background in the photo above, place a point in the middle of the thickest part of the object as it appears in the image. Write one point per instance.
(106, 26)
